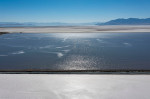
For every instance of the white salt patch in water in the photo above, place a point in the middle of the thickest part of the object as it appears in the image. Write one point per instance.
(60, 54)
(18, 52)
(62, 46)
(127, 44)
(99, 40)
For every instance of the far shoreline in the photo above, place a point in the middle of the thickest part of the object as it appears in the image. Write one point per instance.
(77, 29)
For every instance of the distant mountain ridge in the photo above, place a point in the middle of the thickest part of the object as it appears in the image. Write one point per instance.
(129, 21)
(120, 21)
(14, 24)
(32, 24)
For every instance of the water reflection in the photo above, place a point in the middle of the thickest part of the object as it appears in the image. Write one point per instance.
(75, 51)
(66, 36)
(78, 62)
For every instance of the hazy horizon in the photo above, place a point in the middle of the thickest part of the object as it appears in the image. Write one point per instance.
(71, 11)
(69, 22)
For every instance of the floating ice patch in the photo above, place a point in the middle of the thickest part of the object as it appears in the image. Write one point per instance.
(60, 55)
(18, 52)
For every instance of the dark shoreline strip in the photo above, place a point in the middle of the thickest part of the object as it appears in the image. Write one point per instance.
(3, 33)
(74, 71)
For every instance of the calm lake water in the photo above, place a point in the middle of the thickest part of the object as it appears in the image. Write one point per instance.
(75, 51)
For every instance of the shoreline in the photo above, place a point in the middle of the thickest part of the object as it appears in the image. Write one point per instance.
(3, 33)
(117, 72)
(77, 29)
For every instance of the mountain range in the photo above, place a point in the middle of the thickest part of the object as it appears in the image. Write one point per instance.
(129, 21)
(32, 24)
(120, 21)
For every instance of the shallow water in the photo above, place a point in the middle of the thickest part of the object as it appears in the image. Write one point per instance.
(75, 51)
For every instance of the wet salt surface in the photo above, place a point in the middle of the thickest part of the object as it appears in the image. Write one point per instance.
(75, 51)
(40, 86)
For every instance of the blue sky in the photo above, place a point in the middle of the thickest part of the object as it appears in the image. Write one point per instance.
(72, 11)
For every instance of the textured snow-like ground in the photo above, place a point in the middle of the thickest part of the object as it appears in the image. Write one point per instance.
(78, 29)
(57, 86)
